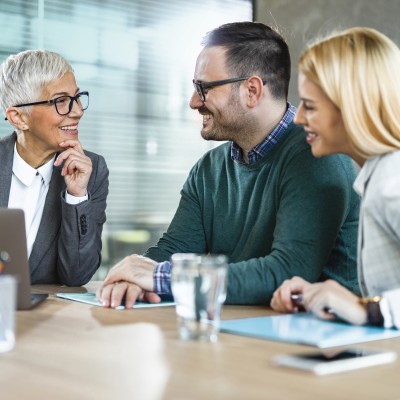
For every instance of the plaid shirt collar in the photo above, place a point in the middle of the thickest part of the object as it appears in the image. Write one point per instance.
(259, 151)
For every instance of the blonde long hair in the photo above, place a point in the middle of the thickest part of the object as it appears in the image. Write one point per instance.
(359, 70)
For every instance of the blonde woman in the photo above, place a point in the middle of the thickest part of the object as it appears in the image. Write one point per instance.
(349, 86)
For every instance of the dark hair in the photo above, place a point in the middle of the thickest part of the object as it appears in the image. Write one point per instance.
(254, 48)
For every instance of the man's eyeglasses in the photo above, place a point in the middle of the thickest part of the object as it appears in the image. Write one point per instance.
(64, 104)
(200, 87)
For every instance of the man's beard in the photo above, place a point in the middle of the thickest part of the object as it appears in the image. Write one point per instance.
(229, 125)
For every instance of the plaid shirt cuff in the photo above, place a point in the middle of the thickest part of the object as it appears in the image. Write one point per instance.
(162, 278)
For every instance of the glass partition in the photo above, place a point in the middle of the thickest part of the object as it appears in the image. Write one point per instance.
(136, 58)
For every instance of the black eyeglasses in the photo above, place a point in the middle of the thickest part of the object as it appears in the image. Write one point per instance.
(200, 87)
(64, 104)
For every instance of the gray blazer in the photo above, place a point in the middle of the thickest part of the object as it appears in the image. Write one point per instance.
(67, 248)
(378, 184)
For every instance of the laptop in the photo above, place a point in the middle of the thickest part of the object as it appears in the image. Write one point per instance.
(13, 252)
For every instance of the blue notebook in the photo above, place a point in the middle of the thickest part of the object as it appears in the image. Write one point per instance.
(305, 328)
(90, 298)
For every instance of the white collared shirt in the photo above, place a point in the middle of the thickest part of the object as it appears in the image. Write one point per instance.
(29, 187)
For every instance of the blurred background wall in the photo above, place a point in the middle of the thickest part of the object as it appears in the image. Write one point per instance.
(136, 58)
(299, 21)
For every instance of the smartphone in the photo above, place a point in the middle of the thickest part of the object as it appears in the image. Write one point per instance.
(335, 361)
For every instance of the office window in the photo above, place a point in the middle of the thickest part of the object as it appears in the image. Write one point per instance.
(136, 58)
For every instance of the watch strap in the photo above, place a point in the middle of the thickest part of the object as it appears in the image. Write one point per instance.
(374, 314)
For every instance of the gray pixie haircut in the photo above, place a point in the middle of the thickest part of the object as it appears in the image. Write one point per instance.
(23, 76)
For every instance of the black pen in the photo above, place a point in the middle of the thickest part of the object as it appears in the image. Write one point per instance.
(298, 299)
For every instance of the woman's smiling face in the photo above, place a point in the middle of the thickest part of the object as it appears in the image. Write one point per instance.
(321, 119)
(46, 128)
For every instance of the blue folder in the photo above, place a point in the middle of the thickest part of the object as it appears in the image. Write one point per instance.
(305, 328)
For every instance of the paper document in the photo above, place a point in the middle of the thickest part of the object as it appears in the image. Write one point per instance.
(305, 328)
(90, 298)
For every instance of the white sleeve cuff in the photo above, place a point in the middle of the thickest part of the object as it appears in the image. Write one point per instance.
(390, 308)
(387, 317)
(73, 199)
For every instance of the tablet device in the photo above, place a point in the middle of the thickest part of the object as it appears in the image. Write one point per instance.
(90, 298)
(324, 363)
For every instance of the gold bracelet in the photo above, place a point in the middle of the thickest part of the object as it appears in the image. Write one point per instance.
(365, 300)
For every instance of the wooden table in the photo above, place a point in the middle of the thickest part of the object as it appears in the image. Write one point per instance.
(74, 351)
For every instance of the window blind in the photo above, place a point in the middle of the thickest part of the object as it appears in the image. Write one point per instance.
(136, 58)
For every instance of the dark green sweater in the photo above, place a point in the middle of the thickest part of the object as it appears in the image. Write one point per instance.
(287, 214)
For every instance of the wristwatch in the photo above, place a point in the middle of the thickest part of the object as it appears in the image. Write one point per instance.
(374, 314)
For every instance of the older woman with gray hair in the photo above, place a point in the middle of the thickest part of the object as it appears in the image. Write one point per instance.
(45, 171)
